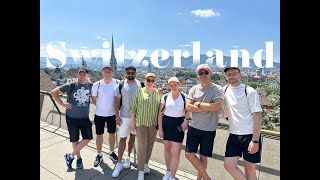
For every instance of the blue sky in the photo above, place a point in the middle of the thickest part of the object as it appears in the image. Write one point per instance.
(161, 24)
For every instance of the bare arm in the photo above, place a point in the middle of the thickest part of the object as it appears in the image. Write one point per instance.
(160, 120)
(117, 107)
(191, 107)
(215, 106)
(55, 94)
(256, 126)
(94, 100)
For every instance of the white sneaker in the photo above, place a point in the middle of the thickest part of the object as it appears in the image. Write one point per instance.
(141, 175)
(166, 176)
(117, 170)
(126, 162)
(146, 169)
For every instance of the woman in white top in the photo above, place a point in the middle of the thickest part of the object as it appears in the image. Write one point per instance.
(172, 121)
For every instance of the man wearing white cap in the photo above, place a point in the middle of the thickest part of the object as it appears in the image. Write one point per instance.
(204, 101)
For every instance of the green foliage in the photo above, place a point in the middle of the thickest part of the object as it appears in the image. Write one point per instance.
(252, 84)
(270, 90)
(188, 74)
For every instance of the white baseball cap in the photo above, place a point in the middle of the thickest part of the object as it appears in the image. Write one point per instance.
(175, 79)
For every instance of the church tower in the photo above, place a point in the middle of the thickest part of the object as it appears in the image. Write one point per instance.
(113, 61)
(149, 68)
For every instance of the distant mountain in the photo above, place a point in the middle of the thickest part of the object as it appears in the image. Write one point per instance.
(185, 62)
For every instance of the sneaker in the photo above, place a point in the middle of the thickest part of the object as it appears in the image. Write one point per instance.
(166, 176)
(79, 163)
(126, 162)
(69, 160)
(117, 170)
(113, 156)
(98, 160)
(146, 169)
(141, 175)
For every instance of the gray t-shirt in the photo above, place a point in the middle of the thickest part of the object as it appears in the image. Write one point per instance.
(79, 99)
(127, 93)
(206, 121)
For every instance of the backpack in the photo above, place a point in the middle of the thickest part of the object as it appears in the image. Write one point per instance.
(120, 87)
(166, 96)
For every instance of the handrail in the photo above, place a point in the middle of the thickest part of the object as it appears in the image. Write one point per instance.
(53, 101)
(263, 131)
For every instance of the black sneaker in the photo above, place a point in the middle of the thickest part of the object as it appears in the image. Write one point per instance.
(113, 156)
(68, 160)
(79, 163)
(98, 160)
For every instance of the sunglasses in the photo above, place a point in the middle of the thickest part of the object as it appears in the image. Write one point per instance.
(203, 72)
(132, 73)
(151, 80)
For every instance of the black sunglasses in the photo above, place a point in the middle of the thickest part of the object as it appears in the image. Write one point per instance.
(151, 80)
(203, 72)
(132, 73)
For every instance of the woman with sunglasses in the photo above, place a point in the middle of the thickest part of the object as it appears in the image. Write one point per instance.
(144, 116)
(173, 121)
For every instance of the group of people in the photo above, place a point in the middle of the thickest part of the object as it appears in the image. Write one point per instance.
(142, 111)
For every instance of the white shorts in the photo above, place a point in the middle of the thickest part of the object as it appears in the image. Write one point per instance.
(124, 130)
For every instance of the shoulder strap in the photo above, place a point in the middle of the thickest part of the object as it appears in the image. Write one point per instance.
(245, 90)
(165, 96)
(184, 100)
(142, 84)
(121, 85)
(226, 89)
(98, 89)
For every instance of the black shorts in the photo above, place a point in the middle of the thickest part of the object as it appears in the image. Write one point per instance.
(100, 121)
(170, 128)
(237, 145)
(79, 124)
(205, 139)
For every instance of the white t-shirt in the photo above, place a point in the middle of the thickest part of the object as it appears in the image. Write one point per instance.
(105, 100)
(174, 108)
(240, 108)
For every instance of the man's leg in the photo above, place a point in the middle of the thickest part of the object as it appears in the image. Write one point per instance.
(230, 164)
(196, 162)
(250, 170)
(77, 146)
(112, 126)
(99, 123)
(112, 141)
(131, 143)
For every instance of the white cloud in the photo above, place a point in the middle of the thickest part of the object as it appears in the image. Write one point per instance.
(235, 46)
(104, 39)
(98, 37)
(186, 45)
(83, 47)
(204, 13)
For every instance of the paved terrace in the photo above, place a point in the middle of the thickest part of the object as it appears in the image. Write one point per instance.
(54, 143)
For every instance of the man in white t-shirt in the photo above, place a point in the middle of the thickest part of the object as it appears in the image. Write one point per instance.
(102, 96)
(129, 87)
(244, 116)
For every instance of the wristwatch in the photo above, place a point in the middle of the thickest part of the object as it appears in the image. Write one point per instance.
(255, 141)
